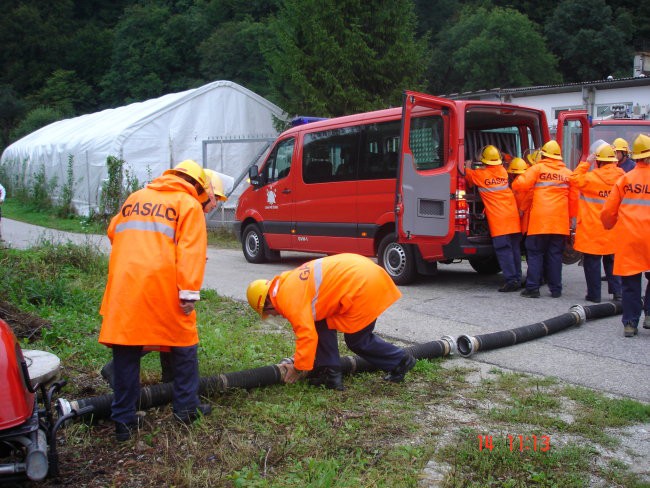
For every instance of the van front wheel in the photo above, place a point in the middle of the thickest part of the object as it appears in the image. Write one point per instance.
(254, 245)
(397, 259)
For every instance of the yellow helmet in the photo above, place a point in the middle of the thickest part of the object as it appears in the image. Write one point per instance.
(491, 156)
(533, 156)
(517, 166)
(606, 154)
(552, 150)
(620, 144)
(641, 147)
(256, 294)
(192, 169)
(217, 185)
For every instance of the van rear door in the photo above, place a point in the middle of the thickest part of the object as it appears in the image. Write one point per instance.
(424, 185)
(573, 136)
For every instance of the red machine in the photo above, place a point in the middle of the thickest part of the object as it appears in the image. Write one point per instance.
(27, 425)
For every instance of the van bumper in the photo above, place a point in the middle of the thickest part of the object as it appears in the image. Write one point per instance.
(464, 247)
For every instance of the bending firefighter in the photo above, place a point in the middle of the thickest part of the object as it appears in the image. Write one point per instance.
(345, 293)
(156, 268)
(502, 214)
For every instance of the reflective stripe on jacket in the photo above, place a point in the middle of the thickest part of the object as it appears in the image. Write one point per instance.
(158, 257)
(348, 290)
(555, 199)
(497, 197)
(627, 212)
(594, 186)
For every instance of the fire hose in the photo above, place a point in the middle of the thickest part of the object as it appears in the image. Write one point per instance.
(465, 345)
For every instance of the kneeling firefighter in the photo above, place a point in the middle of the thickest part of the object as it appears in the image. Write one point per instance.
(345, 293)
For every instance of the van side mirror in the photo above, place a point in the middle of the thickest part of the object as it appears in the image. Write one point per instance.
(254, 176)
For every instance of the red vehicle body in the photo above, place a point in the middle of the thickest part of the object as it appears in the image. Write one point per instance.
(388, 183)
(18, 401)
(576, 131)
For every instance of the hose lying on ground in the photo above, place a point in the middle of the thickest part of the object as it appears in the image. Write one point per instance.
(162, 394)
(468, 345)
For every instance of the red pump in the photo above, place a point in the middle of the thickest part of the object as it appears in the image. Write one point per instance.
(27, 424)
(18, 400)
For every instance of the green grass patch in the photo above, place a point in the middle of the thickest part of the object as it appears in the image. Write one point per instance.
(373, 434)
(15, 210)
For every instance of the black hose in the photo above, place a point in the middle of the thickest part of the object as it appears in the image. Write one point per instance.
(468, 345)
(162, 393)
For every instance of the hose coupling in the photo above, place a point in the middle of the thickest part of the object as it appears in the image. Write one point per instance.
(467, 345)
(579, 312)
(451, 344)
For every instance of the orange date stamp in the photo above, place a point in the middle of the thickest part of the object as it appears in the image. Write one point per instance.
(521, 443)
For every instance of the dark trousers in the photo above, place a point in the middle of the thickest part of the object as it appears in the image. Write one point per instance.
(632, 301)
(544, 256)
(591, 267)
(365, 343)
(126, 381)
(508, 251)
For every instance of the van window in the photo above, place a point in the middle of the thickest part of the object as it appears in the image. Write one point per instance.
(278, 164)
(505, 139)
(426, 140)
(330, 155)
(380, 151)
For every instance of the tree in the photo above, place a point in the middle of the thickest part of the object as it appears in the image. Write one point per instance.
(11, 110)
(492, 48)
(65, 92)
(335, 58)
(35, 119)
(234, 52)
(583, 35)
(154, 52)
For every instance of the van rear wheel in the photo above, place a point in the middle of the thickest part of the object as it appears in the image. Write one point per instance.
(255, 247)
(485, 265)
(397, 259)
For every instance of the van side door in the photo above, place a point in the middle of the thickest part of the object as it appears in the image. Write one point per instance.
(424, 185)
(573, 136)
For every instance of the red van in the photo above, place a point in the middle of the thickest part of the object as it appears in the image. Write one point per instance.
(388, 184)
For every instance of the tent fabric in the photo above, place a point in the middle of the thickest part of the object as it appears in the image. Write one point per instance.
(221, 125)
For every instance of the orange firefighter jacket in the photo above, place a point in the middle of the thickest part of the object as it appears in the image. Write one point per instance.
(498, 199)
(158, 257)
(555, 198)
(594, 186)
(524, 200)
(348, 290)
(627, 213)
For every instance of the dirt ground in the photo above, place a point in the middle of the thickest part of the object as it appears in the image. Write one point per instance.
(24, 325)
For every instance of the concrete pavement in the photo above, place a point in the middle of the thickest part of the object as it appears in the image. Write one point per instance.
(456, 301)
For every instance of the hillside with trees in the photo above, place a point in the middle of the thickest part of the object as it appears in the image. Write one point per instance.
(71, 57)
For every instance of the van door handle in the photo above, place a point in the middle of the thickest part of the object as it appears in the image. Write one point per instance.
(286, 190)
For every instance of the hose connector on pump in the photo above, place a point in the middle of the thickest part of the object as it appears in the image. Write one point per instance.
(467, 345)
(451, 345)
(579, 312)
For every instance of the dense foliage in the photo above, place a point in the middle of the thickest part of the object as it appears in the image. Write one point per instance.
(322, 57)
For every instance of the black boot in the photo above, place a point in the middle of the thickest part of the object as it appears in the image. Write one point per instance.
(329, 376)
(405, 365)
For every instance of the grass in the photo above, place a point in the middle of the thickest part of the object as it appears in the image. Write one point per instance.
(372, 434)
(222, 238)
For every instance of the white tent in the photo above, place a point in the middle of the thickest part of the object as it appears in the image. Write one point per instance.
(221, 125)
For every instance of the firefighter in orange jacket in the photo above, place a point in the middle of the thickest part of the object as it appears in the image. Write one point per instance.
(524, 199)
(344, 292)
(555, 202)
(155, 272)
(594, 242)
(626, 212)
(502, 214)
